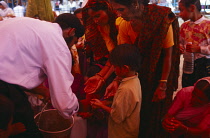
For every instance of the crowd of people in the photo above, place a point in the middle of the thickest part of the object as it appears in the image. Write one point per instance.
(114, 63)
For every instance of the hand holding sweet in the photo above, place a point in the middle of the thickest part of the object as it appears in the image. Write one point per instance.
(96, 103)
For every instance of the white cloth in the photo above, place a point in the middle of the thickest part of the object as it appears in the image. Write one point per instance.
(31, 51)
(7, 10)
(124, 118)
(19, 11)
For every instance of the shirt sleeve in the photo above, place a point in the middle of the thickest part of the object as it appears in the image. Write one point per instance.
(169, 40)
(123, 105)
(123, 37)
(57, 66)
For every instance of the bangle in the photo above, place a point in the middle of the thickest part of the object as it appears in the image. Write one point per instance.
(99, 75)
(163, 81)
(103, 80)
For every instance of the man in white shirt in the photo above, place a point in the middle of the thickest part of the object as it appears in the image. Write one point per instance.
(31, 51)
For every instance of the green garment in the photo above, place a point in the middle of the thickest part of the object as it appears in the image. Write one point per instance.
(41, 9)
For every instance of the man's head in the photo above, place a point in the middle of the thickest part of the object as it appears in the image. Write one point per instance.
(201, 92)
(71, 26)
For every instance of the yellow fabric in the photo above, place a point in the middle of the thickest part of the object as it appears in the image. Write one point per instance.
(105, 30)
(128, 36)
(118, 22)
(40, 8)
(169, 42)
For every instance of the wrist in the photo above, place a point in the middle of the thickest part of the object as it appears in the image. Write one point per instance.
(101, 77)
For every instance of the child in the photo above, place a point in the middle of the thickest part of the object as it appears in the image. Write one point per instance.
(124, 113)
(197, 32)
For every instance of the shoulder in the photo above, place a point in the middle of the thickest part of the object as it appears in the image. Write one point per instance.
(185, 24)
(185, 92)
(160, 9)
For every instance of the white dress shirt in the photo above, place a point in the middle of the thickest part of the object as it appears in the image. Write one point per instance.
(31, 51)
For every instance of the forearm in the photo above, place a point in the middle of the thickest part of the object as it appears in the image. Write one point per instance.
(195, 132)
(110, 71)
(105, 69)
(166, 64)
(106, 108)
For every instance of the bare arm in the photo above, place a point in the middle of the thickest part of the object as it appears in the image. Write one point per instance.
(160, 91)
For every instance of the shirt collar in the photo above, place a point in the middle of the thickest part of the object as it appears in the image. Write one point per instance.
(200, 20)
(129, 78)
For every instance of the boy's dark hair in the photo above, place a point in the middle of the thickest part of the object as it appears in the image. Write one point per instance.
(187, 3)
(6, 112)
(67, 20)
(126, 54)
(79, 10)
(204, 86)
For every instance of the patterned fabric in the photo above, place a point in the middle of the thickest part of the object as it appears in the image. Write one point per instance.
(155, 24)
(198, 33)
(40, 8)
(94, 39)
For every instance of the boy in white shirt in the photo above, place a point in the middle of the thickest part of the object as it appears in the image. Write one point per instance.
(124, 116)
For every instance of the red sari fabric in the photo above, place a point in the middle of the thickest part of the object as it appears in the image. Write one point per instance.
(155, 23)
(94, 39)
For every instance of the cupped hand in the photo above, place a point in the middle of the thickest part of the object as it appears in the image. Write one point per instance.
(93, 84)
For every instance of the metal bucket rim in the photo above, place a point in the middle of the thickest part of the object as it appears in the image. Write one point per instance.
(55, 131)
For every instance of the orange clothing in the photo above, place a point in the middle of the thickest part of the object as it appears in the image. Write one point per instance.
(128, 36)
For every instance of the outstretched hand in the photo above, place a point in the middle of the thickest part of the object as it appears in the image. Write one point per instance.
(93, 84)
(111, 90)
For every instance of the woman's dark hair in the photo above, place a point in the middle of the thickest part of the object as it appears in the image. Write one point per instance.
(204, 86)
(79, 10)
(97, 5)
(6, 112)
(129, 3)
(187, 3)
(126, 54)
(67, 20)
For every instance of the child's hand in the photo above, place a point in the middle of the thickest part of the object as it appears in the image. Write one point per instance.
(95, 103)
(17, 128)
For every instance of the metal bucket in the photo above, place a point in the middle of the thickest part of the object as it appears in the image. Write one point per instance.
(53, 125)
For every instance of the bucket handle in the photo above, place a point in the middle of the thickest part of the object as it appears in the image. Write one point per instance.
(41, 114)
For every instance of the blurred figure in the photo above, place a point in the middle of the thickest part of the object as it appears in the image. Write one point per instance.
(41, 9)
(19, 10)
(5, 10)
